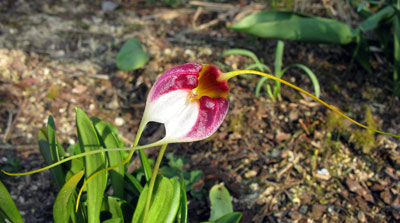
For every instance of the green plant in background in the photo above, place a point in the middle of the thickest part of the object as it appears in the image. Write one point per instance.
(175, 169)
(132, 56)
(278, 70)
(14, 165)
(221, 206)
(300, 27)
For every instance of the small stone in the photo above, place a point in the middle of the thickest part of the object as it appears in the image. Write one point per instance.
(254, 187)
(46, 71)
(323, 174)
(119, 121)
(251, 173)
(71, 141)
(108, 6)
(92, 107)
(361, 217)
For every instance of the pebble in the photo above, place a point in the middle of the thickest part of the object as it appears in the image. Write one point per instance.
(119, 121)
(323, 174)
(108, 6)
(254, 187)
(250, 174)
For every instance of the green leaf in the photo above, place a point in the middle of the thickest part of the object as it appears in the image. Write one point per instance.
(296, 27)
(114, 220)
(242, 52)
(61, 209)
(258, 66)
(396, 53)
(145, 164)
(131, 56)
(164, 204)
(278, 67)
(311, 75)
(46, 151)
(183, 209)
(195, 175)
(174, 161)
(110, 140)
(233, 217)
(133, 184)
(221, 202)
(76, 166)
(55, 152)
(374, 21)
(89, 141)
(8, 210)
(362, 11)
(115, 207)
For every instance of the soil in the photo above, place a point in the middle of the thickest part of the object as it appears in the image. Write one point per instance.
(283, 161)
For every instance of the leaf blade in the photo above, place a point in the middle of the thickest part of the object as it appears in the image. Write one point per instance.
(89, 141)
(296, 27)
(8, 207)
(221, 202)
(110, 140)
(132, 56)
(61, 208)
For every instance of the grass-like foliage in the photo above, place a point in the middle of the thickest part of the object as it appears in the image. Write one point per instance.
(278, 71)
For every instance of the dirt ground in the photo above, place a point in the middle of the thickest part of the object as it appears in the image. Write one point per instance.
(283, 161)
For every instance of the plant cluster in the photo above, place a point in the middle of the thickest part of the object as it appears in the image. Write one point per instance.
(293, 26)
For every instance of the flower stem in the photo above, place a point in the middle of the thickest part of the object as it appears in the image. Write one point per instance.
(153, 180)
(229, 75)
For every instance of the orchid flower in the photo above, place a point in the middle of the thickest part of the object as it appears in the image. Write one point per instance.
(189, 100)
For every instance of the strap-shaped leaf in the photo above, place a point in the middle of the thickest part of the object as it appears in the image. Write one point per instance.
(183, 209)
(55, 152)
(164, 204)
(89, 141)
(62, 209)
(296, 27)
(221, 202)
(311, 75)
(8, 210)
(110, 140)
(396, 52)
(133, 185)
(372, 22)
(114, 220)
(145, 165)
(233, 217)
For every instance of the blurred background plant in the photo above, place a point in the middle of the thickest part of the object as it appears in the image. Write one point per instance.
(278, 71)
(381, 18)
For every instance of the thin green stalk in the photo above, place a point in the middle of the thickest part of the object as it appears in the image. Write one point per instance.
(153, 180)
(396, 51)
(278, 68)
(229, 75)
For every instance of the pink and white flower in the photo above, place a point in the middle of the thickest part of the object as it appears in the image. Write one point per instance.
(190, 102)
